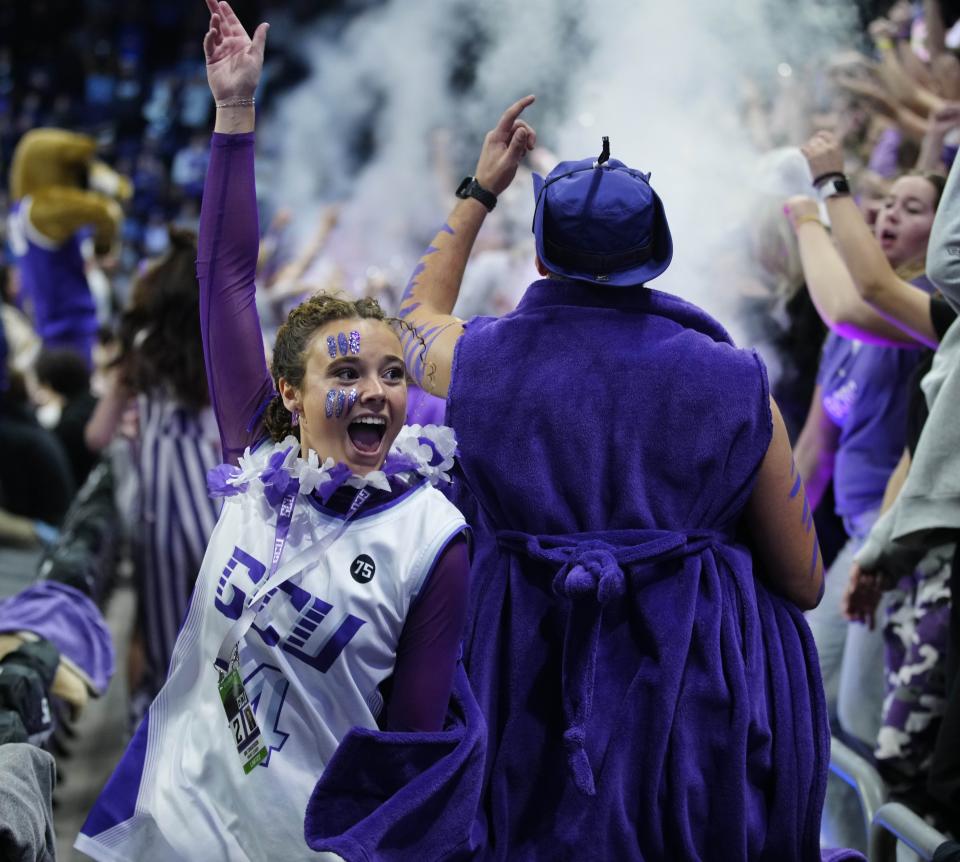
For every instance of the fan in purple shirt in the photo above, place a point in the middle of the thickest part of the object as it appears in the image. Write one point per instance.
(869, 288)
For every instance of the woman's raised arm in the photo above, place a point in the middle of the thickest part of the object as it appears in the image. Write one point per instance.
(239, 380)
(883, 305)
(831, 286)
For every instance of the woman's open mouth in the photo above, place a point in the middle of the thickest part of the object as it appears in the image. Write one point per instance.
(366, 433)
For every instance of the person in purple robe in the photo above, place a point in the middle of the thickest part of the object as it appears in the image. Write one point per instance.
(643, 550)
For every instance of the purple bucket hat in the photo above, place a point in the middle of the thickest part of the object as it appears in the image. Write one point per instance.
(601, 223)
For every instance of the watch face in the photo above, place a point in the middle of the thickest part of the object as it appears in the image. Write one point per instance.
(463, 190)
(837, 186)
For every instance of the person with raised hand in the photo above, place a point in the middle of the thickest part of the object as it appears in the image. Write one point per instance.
(869, 284)
(331, 598)
(648, 679)
(870, 289)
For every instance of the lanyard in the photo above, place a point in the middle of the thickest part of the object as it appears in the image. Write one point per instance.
(280, 575)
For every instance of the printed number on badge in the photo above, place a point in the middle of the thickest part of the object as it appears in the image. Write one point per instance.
(362, 569)
(240, 719)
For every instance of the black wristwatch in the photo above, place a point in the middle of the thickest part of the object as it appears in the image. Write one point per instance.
(470, 188)
(832, 186)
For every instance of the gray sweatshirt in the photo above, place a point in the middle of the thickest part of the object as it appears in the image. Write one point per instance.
(926, 513)
(943, 250)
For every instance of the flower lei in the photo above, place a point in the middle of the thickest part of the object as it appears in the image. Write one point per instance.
(426, 451)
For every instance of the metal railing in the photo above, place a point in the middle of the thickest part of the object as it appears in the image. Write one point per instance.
(894, 822)
(863, 777)
(885, 823)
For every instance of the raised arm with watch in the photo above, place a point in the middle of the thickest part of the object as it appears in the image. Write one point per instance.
(852, 274)
(432, 291)
(470, 188)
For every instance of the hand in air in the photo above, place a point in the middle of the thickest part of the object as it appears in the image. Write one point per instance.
(945, 118)
(504, 147)
(823, 154)
(882, 28)
(800, 209)
(861, 597)
(234, 60)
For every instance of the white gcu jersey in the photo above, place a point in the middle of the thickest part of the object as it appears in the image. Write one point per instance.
(310, 664)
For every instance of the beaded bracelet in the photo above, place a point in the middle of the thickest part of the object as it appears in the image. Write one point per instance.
(236, 103)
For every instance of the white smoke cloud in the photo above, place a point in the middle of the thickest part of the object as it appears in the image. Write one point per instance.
(661, 79)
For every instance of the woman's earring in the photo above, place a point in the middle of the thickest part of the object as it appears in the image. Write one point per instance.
(295, 418)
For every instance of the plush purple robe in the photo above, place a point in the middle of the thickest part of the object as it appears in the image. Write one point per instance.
(644, 695)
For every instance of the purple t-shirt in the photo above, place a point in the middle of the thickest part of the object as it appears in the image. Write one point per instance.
(866, 393)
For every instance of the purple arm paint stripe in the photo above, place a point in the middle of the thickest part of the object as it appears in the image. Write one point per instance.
(807, 518)
(416, 361)
(796, 487)
(411, 341)
(408, 292)
(410, 347)
(436, 335)
(420, 267)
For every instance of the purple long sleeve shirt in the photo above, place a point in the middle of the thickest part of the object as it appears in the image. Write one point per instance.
(240, 384)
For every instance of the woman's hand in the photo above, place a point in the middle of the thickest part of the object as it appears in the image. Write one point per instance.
(944, 118)
(881, 29)
(504, 147)
(861, 597)
(823, 154)
(800, 209)
(234, 60)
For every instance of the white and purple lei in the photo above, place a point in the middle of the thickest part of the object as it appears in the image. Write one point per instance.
(425, 451)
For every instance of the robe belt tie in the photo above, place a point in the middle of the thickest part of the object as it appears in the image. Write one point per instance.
(590, 574)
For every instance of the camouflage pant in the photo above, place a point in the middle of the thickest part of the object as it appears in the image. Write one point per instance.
(915, 634)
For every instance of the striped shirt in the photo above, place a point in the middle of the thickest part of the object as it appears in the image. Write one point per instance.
(178, 446)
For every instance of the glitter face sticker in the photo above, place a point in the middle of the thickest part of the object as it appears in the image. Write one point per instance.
(332, 346)
(351, 399)
(341, 400)
(331, 398)
(342, 342)
(354, 342)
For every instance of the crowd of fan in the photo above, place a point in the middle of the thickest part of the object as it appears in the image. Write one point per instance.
(890, 110)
